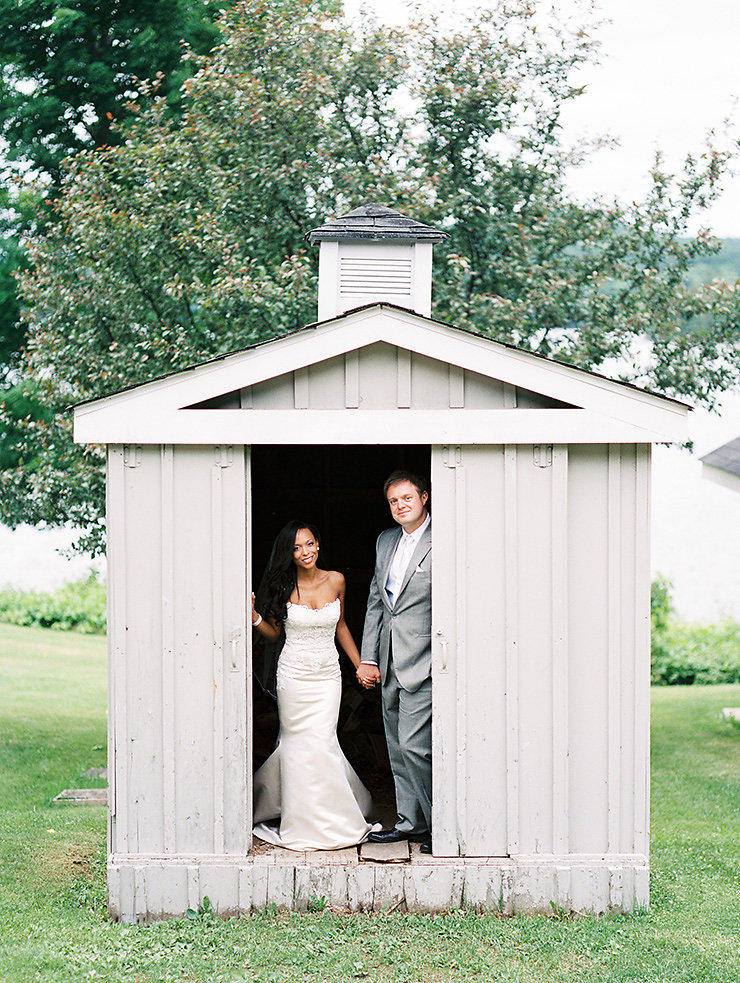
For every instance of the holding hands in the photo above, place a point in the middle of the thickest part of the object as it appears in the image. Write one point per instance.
(368, 674)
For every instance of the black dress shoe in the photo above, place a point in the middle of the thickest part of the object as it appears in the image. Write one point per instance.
(425, 846)
(388, 836)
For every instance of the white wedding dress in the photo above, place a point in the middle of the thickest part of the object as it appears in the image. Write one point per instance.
(307, 782)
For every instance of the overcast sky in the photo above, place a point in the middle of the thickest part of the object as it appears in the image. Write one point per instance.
(669, 72)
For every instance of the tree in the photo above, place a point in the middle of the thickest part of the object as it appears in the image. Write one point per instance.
(69, 67)
(67, 71)
(187, 240)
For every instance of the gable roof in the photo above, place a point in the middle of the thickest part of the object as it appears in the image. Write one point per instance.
(726, 457)
(722, 465)
(607, 410)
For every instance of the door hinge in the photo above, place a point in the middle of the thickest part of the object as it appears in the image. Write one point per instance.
(131, 455)
(223, 455)
(542, 455)
(452, 456)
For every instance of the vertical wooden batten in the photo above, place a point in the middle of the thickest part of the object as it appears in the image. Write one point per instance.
(559, 709)
(509, 396)
(116, 603)
(461, 653)
(248, 793)
(511, 546)
(403, 378)
(301, 392)
(168, 647)
(235, 678)
(456, 387)
(444, 665)
(641, 815)
(222, 460)
(352, 380)
(614, 644)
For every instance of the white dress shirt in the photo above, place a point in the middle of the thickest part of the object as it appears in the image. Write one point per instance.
(401, 558)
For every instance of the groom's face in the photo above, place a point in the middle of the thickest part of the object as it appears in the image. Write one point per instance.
(407, 505)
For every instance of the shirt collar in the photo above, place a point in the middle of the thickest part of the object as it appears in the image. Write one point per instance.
(416, 535)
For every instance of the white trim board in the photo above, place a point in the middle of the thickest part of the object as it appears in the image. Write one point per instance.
(529, 426)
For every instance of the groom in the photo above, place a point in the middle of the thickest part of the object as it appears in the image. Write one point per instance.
(396, 651)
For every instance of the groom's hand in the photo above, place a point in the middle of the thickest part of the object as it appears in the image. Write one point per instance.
(368, 674)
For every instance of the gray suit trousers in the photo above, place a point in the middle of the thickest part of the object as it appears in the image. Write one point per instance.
(407, 718)
(398, 640)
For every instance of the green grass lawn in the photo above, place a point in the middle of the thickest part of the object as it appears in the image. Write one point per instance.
(53, 925)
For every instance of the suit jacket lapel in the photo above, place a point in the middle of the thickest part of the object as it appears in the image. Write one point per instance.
(422, 548)
(386, 566)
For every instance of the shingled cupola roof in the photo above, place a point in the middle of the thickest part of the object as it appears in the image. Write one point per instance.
(374, 254)
(375, 222)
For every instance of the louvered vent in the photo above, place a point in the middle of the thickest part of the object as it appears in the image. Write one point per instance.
(368, 276)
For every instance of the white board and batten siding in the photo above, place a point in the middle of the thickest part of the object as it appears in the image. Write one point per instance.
(384, 378)
(541, 652)
(179, 703)
(540, 616)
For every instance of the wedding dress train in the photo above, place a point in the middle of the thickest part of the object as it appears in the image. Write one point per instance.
(307, 782)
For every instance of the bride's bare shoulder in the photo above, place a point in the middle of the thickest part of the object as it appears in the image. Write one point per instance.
(336, 579)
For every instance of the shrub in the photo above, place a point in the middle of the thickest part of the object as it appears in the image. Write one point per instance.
(698, 654)
(685, 653)
(77, 606)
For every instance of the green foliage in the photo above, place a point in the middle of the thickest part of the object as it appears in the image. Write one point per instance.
(661, 604)
(52, 891)
(684, 653)
(661, 609)
(701, 654)
(19, 404)
(69, 67)
(19, 205)
(186, 239)
(78, 606)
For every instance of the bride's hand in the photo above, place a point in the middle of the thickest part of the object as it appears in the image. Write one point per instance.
(368, 674)
(255, 614)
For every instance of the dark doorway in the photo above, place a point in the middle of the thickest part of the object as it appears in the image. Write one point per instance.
(340, 489)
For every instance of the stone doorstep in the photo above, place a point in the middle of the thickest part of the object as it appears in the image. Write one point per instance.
(388, 853)
(83, 796)
(382, 853)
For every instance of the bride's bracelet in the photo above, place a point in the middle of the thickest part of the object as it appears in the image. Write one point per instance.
(258, 621)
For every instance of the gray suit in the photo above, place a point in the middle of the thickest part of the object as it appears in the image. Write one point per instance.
(398, 639)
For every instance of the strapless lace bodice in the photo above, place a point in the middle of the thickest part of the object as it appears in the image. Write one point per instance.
(309, 640)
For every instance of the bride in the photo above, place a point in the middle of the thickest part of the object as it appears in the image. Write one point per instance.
(307, 782)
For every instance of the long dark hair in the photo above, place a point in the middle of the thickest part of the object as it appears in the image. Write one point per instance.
(280, 579)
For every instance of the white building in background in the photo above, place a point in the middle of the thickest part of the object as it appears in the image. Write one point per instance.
(696, 523)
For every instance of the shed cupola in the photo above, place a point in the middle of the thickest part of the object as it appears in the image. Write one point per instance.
(374, 253)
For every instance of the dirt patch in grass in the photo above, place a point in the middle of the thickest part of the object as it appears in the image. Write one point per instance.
(572, 964)
(61, 863)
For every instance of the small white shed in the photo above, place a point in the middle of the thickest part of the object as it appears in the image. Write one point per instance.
(540, 478)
